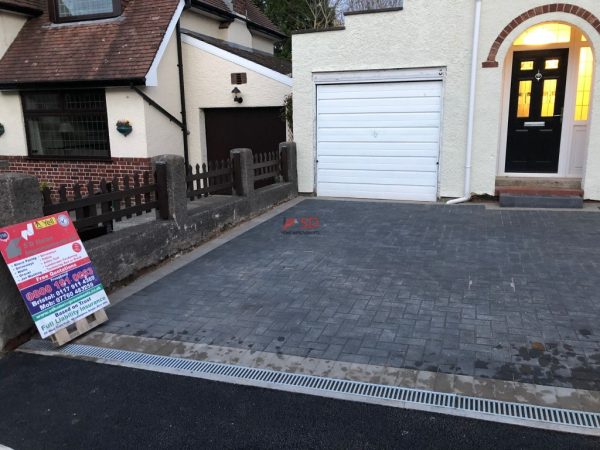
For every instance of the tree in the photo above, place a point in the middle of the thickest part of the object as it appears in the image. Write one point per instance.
(294, 15)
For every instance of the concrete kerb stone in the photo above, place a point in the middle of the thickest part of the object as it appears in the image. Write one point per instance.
(20, 200)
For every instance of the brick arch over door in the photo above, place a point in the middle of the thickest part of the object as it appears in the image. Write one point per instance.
(538, 11)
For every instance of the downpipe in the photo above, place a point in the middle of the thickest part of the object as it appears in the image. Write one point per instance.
(472, 91)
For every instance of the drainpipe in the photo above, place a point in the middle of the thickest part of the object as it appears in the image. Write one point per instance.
(474, 67)
(186, 156)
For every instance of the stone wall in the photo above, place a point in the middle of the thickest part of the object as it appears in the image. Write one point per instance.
(121, 255)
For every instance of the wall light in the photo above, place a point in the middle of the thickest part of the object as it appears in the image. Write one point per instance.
(237, 95)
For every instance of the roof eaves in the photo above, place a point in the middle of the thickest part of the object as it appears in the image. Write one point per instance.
(70, 84)
(212, 9)
(27, 10)
(266, 30)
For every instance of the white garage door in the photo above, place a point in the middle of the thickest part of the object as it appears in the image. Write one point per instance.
(379, 140)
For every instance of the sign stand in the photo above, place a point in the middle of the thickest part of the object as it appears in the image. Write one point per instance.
(82, 326)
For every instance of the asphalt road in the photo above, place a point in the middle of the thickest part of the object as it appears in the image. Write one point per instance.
(54, 403)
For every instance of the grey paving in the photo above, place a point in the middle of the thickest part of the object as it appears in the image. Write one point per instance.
(506, 294)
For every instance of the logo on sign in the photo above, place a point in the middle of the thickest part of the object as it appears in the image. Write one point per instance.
(76, 247)
(63, 220)
(4, 236)
(27, 233)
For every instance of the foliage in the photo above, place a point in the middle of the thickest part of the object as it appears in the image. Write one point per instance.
(287, 113)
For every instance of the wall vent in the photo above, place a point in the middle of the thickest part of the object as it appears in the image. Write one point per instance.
(239, 78)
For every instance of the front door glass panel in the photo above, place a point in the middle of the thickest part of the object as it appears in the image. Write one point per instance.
(549, 97)
(526, 65)
(524, 98)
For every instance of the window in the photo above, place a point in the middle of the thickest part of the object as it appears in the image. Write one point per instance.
(544, 34)
(584, 84)
(66, 124)
(74, 10)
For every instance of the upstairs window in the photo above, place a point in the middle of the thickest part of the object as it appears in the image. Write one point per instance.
(66, 124)
(75, 10)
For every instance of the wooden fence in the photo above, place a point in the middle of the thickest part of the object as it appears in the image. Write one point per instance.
(267, 168)
(216, 178)
(94, 213)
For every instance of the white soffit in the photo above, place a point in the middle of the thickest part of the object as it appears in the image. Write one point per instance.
(243, 62)
(152, 75)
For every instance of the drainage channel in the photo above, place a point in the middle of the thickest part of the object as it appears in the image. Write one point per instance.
(502, 411)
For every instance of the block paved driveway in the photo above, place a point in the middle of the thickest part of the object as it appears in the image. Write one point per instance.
(513, 295)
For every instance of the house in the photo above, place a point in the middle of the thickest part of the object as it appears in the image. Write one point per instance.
(96, 89)
(449, 98)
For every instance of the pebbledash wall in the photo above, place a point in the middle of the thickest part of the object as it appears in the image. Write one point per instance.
(438, 33)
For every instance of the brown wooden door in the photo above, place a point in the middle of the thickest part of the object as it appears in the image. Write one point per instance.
(260, 129)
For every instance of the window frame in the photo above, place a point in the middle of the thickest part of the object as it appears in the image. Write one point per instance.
(55, 17)
(27, 114)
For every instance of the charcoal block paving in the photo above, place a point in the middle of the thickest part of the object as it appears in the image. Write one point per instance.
(506, 294)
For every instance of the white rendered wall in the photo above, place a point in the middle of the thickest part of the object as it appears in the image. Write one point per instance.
(13, 142)
(238, 33)
(164, 136)
(208, 85)
(202, 24)
(431, 33)
(125, 104)
(263, 44)
(10, 25)
(417, 37)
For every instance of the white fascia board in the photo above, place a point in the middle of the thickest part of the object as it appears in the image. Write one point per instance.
(152, 75)
(250, 65)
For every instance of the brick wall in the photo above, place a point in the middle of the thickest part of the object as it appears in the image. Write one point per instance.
(56, 173)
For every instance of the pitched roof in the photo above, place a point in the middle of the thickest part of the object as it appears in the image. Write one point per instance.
(269, 61)
(33, 7)
(119, 50)
(247, 9)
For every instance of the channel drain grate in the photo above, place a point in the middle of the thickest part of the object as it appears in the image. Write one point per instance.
(408, 395)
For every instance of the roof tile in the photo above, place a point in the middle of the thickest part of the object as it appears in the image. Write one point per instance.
(122, 48)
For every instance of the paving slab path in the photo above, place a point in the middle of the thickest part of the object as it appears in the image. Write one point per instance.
(505, 294)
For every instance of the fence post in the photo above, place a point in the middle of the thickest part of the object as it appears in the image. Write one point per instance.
(287, 153)
(243, 171)
(20, 200)
(171, 187)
